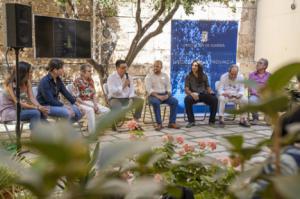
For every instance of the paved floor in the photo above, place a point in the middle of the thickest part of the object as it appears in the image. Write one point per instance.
(192, 135)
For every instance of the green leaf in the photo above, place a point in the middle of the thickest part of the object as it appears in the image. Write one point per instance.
(248, 152)
(109, 119)
(120, 151)
(241, 185)
(288, 186)
(236, 141)
(282, 76)
(59, 143)
(270, 106)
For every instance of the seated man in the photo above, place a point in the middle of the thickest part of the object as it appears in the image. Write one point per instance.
(159, 90)
(49, 89)
(121, 89)
(260, 76)
(197, 90)
(84, 88)
(232, 90)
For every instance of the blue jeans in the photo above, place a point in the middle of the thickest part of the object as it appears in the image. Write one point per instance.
(171, 101)
(62, 111)
(32, 115)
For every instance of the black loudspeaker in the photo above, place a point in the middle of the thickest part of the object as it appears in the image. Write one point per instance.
(18, 25)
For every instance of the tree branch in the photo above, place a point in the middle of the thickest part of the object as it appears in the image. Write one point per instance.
(141, 31)
(158, 30)
(72, 6)
(138, 16)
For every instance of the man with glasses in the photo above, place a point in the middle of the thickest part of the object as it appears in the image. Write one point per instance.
(121, 90)
(260, 76)
(84, 90)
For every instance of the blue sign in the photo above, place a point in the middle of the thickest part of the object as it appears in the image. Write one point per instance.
(214, 43)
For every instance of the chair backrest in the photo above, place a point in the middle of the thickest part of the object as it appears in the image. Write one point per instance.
(34, 91)
(70, 88)
(217, 84)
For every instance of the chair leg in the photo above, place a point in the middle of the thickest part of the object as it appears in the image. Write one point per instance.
(164, 114)
(7, 131)
(144, 115)
(184, 116)
(204, 117)
(151, 114)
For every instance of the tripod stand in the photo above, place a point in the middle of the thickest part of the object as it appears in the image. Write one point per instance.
(18, 129)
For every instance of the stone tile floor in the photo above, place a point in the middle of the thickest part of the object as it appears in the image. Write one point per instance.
(192, 135)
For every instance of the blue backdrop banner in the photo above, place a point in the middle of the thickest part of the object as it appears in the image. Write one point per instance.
(214, 43)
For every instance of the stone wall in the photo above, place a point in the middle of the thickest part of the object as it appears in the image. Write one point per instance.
(124, 24)
(45, 8)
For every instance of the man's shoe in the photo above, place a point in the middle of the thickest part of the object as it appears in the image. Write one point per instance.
(221, 123)
(158, 127)
(212, 124)
(173, 126)
(190, 124)
(244, 123)
(254, 122)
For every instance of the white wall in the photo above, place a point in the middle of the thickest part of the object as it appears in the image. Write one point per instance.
(277, 32)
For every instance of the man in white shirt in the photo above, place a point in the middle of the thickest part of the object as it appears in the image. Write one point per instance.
(231, 89)
(121, 89)
(158, 88)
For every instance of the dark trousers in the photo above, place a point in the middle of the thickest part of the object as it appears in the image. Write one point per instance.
(116, 103)
(208, 99)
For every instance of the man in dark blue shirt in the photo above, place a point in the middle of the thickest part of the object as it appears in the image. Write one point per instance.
(48, 93)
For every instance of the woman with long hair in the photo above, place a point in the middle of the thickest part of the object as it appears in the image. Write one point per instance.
(31, 110)
(197, 89)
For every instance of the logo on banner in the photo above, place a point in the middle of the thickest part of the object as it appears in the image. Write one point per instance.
(204, 36)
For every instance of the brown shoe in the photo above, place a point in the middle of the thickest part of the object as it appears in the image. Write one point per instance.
(158, 127)
(173, 126)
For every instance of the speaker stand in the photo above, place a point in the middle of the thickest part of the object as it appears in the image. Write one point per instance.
(18, 130)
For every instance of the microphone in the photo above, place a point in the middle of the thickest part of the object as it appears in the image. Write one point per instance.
(127, 77)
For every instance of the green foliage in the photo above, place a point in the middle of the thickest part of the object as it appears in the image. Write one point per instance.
(273, 101)
(207, 177)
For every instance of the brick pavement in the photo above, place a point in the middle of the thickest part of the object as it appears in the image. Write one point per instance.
(192, 135)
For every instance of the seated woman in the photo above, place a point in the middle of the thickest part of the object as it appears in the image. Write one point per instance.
(31, 110)
(84, 88)
(48, 93)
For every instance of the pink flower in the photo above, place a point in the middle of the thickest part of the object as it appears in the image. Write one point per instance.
(181, 152)
(164, 138)
(158, 178)
(180, 139)
(188, 148)
(132, 125)
(192, 149)
(202, 144)
(224, 160)
(168, 138)
(212, 145)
